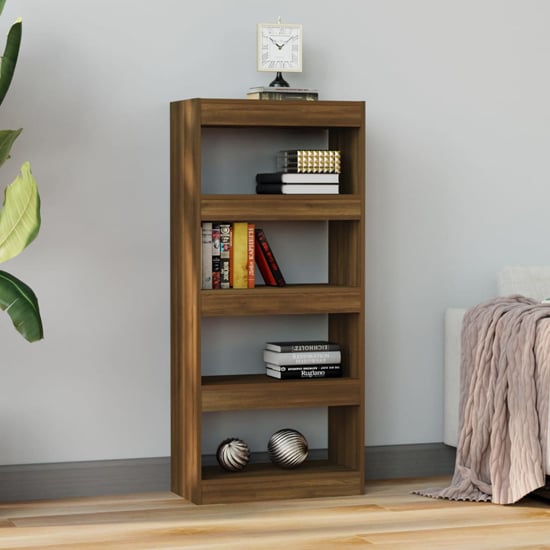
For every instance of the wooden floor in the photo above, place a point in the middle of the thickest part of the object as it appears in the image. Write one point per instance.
(387, 517)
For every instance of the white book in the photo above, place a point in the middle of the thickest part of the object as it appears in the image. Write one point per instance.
(302, 358)
(296, 189)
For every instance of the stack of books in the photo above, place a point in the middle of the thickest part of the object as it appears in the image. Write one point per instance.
(279, 93)
(303, 359)
(230, 252)
(302, 171)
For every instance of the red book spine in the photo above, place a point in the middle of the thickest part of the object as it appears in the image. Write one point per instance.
(269, 256)
(263, 266)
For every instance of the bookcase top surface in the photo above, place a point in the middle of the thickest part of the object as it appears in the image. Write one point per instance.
(247, 112)
(206, 100)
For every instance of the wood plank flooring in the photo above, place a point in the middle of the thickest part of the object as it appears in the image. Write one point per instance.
(387, 517)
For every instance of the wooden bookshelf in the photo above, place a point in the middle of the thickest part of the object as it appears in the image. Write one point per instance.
(342, 299)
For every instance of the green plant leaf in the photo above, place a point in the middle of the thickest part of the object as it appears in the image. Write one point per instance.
(7, 137)
(20, 303)
(9, 59)
(20, 215)
(2, 3)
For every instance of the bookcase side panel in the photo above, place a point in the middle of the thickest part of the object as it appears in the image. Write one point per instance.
(349, 330)
(185, 306)
(347, 267)
(346, 424)
(346, 445)
(351, 143)
(346, 250)
(347, 239)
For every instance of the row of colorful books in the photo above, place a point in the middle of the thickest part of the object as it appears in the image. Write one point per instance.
(230, 251)
(302, 171)
(303, 359)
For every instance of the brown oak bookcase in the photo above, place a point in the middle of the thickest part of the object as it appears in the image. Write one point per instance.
(341, 299)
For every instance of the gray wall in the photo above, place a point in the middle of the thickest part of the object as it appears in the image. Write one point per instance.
(457, 155)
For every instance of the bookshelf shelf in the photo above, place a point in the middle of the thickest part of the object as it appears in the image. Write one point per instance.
(281, 208)
(257, 391)
(287, 300)
(316, 478)
(341, 299)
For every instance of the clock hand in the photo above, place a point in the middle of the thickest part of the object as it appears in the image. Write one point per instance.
(289, 39)
(280, 46)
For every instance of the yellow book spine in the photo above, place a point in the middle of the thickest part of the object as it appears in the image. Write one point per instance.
(240, 255)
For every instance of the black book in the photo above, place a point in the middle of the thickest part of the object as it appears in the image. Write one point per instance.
(304, 374)
(225, 254)
(295, 177)
(216, 260)
(302, 345)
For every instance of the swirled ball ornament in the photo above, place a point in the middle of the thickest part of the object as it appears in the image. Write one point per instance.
(287, 448)
(233, 454)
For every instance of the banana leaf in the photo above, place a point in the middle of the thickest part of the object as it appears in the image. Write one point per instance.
(7, 137)
(9, 59)
(20, 303)
(20, 215)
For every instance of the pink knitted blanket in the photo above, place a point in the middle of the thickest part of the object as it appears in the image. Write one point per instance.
(504, 392)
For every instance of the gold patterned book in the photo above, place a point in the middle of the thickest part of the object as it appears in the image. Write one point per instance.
(309, 161)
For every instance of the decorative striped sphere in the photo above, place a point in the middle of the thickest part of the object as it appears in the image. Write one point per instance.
(287, 448)
(233, 454)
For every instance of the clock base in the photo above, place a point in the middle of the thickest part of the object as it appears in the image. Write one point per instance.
(279, 82)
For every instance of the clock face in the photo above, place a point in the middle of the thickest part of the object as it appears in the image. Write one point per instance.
(279, 47)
